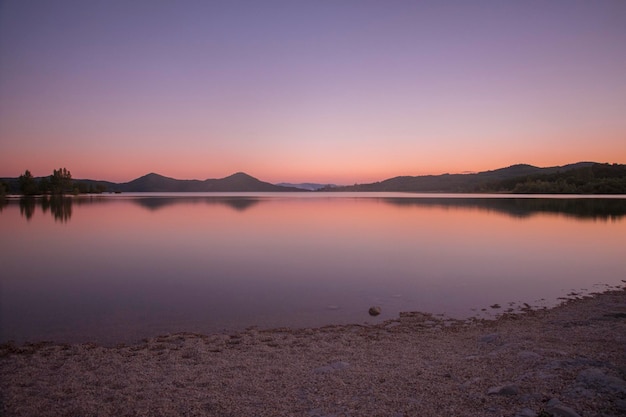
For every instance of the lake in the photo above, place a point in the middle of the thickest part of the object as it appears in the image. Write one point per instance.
(119, 268)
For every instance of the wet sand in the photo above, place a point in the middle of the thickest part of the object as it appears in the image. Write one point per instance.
(566, 361)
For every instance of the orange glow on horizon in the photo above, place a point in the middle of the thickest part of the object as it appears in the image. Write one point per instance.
(365, 166)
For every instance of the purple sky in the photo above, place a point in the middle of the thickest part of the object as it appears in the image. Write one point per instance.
(327, 91)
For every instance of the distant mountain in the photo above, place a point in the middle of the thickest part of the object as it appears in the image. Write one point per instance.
(446, 182)
(578, 178)
(581, 177)
(309, 186)
(158, 183)
(235, 183)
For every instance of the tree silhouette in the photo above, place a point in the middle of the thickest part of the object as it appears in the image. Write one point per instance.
(61, 181)
(44, 185)
(28, 185)
(3, 194)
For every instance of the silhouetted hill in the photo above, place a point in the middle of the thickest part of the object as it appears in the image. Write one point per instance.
(83, 185)
(308, 186)
(581, 177)
(578, 178)
(242, 182)
(158, 183)
(238, 182)
(446, 182)
(523, 170)
(235, 183)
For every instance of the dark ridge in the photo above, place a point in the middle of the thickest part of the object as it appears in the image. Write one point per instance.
(238, 182)
(578, 178)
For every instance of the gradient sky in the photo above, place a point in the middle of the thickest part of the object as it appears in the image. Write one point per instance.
(324, 91)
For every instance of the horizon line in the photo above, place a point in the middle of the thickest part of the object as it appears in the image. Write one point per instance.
(324, 182)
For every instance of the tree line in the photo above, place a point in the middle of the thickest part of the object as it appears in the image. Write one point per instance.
(594, 179)
(59, 183)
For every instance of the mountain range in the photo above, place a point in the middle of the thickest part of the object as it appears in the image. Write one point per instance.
(577, 178)
(234, 183)
(471, 182)
(307, 186)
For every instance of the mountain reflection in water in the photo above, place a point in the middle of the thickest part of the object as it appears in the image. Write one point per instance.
(119, 267)
(581, 208)
(237, 203)
(595, 208)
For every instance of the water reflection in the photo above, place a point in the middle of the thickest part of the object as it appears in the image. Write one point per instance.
(60, 207)
(133, 266)
(27, 207)
(580, 208)
(237, 203)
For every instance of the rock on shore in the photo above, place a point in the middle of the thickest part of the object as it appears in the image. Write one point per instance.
(568, 361)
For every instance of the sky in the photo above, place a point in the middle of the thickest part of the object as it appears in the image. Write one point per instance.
(322, 91)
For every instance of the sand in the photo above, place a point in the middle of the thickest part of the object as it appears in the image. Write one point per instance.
(566, 361)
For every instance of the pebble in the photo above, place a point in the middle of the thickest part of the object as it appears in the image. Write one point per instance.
(561, 410)
(526, 412)
(553, 402)
(489, 338)
(598, 380)
(503, 390)
(470, 382)
(374, 311)
(527, 355)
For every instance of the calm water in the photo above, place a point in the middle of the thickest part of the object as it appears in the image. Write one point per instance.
(118, 268)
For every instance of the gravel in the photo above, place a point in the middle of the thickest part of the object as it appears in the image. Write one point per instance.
(570, 359)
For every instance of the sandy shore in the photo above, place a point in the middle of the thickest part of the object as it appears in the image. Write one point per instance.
(567, 361)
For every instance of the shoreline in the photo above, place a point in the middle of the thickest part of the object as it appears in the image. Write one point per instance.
(474, 314)
(570, 358)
